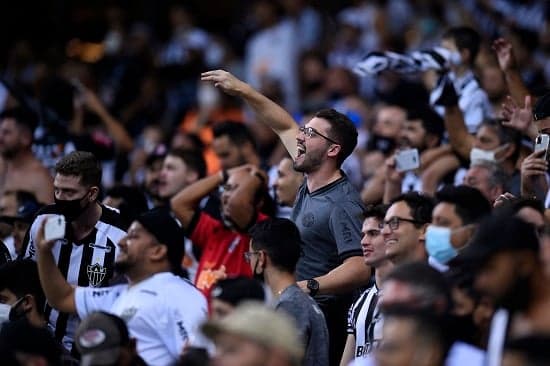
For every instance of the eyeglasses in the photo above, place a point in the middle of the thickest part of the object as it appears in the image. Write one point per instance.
(311, 132)
(248, 255)
(394, 222)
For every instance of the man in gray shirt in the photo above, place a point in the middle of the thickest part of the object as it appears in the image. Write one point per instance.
(274, 252)
(328, 210)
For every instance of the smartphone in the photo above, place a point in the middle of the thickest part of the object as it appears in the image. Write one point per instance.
(406, 160)
(541, 143)
(77, 84)
(54, 228)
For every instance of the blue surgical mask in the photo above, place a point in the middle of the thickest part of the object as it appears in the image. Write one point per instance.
(438, 244)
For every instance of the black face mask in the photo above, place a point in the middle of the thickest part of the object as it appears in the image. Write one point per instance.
(381, 143)
(71, 209)
(17, 312)
(255, 274)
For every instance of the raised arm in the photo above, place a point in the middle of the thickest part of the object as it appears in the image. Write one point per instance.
(507, 62)
(59, 293)
(461, 141)
(266, 110)
(184, 204)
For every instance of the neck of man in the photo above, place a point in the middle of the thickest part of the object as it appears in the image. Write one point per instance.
(461, 70)
(278, 281)
(142, 272)
(381, 271)
(21, 158)
(36, 319)
(540, 297)
(85, 223)
(325, 175)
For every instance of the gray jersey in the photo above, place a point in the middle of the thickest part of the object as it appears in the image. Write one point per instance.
(329, 221)
(310, 322)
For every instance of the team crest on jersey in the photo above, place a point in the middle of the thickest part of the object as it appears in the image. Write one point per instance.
(96, 274)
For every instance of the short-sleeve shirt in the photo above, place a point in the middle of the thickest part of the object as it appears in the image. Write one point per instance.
(222, 250)
(310, 322)
(162, 312)
(329, 221)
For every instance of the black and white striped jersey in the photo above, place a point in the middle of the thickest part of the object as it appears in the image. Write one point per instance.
(88, 262)
(365, 322)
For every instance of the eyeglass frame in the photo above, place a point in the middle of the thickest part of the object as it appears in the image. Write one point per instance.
(309, 131)
(397, 219)
(248, 255)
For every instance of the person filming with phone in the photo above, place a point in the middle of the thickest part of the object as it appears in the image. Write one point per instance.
(421, 136)
(85, 233)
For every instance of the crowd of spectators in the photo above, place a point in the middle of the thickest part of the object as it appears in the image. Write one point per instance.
(284, 182)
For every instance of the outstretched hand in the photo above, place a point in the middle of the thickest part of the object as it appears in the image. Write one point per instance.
(517, 117)
(224, 80)
(505, 54)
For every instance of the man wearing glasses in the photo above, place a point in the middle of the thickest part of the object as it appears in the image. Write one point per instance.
(328, 209)
(404, 227)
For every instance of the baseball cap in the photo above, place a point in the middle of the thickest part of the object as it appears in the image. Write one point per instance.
(167, 230)
(497, 234)
(21, 336)
(260, 324)
(25, 212)
(541, 108)
(99, 338)
(237, 289)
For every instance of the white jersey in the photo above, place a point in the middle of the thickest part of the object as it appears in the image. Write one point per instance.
(86, 263)
(365, 323)
(163, 313)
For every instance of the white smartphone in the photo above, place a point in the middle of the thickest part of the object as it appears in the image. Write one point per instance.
(406, 160)
(54, 228)
(541, 143)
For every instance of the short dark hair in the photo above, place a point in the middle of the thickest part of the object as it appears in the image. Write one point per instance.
(22, 116)
(428, 284)
(81, 164)
(280, 239)
(21, 278)
(427, 326)
(193, 159)
(506, 135)
(237, 132)
(375, 211)
(465, 38)
(431, 121)
(342, 130)
(470, 204)
(420, 205)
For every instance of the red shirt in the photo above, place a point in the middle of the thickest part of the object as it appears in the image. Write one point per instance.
(222, 251)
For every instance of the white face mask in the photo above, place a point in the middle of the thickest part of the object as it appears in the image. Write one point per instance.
(4, 313)
(477, 154)
(455, 59)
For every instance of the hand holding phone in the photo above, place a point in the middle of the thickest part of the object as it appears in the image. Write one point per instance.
(406, 160)
(54, 228)
(541, 143)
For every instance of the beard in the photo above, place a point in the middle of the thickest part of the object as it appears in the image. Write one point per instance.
(310, 162)
(122, 267)
(9, 154)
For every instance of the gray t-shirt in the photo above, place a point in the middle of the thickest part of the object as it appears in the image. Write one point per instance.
(329, 221)
(310, 322)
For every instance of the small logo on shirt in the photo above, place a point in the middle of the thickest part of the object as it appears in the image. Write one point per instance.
(96, 274)
(128, 314)
(308, 220)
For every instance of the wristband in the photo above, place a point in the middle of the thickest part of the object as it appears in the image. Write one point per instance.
(225, 176)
